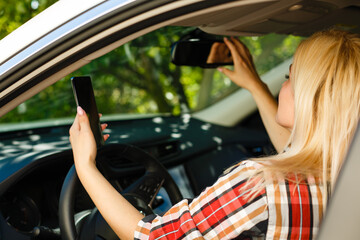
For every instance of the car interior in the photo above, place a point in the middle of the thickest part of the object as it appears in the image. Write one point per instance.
(185, 114)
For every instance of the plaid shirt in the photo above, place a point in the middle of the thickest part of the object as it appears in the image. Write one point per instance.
(283, 210)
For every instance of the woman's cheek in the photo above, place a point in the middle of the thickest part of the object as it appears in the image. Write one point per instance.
(285, 113)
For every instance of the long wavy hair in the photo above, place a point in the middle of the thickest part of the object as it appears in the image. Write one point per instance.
(325, 78)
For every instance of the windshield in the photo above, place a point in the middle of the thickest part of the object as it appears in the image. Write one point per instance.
(139, 78)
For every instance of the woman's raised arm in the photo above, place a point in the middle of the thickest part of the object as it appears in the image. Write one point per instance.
(246, 76)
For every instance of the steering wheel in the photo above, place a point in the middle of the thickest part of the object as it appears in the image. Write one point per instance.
(140, 194)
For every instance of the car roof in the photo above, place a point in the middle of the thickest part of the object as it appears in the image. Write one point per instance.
(296, 17)
(256, 17)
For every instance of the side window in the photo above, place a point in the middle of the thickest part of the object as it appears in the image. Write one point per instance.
(139, 78)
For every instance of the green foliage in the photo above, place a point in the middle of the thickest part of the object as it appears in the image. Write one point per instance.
(270, 50)
(14, 13)
(138, 76)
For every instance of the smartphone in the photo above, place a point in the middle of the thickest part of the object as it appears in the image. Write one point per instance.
(84, 97)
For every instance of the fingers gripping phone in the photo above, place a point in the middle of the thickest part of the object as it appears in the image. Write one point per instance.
(84, 97)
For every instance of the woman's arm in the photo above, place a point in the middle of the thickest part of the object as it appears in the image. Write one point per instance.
(245, 76)
(267, 107)
(116, 210)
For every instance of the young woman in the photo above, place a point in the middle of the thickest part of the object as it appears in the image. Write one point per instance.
(276, 197)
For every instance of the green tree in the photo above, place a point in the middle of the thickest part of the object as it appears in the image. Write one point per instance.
(14, 13)
(144, 66)
(138, 77)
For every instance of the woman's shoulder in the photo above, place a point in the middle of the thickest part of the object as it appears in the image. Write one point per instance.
(249, 166)
(243, 166)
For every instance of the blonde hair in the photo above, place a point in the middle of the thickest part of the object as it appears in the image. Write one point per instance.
(325, 78)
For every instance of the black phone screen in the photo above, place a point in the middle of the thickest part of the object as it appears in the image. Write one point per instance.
(84, 97)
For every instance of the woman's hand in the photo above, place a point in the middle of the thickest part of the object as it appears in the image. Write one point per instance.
(83, 141)
(245, 76)
(244, 73)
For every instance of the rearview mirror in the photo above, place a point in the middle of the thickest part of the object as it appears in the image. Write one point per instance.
(203, 53)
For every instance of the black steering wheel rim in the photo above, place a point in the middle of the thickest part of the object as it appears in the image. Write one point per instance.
(71, 182)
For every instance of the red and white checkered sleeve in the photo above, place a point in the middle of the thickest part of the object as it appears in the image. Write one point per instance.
(221, 211)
